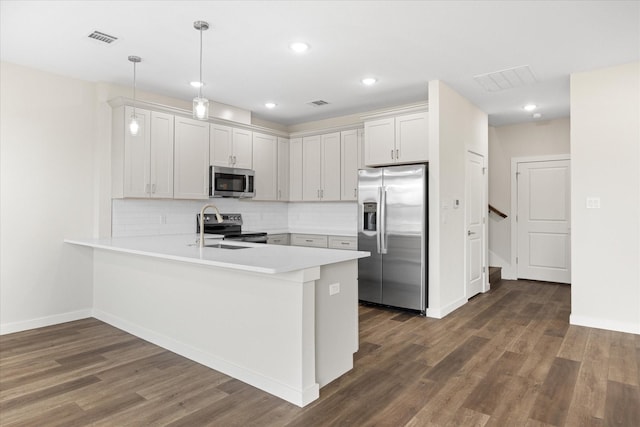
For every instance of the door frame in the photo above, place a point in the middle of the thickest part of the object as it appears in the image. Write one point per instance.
(485, 224)
(514, 198)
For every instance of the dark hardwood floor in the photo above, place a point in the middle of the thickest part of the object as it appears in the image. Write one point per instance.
(507, 358)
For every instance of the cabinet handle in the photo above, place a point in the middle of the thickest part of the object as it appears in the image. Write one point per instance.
(279, 194)
(391, 154)
(344, 243)
(397, 154)
(146, 188)
(230, 160)
(153, 188)
(308, 240)
(355, 192)
(234, 160)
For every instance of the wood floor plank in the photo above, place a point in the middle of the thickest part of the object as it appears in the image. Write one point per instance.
(622, 405)
(552, 404)
(574, 343)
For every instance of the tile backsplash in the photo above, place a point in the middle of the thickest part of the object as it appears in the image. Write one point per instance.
(138, 217)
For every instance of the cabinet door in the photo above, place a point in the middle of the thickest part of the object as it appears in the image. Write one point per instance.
(220, 144)
(295, 169)
(311, 175)
(265, 165)
(412, 138)
(349, 164)
(191, 159)
(283, 169)
(161, 155)
(330, 167)
(136, 155)
(379, 146)
(242, 153)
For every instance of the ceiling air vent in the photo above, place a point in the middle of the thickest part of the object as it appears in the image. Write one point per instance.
(318, 103)
(102, 37)
(506, 79)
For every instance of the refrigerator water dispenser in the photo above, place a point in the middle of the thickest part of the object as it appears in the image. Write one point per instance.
(370, 211)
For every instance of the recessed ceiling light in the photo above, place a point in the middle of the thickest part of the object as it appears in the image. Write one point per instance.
(299, 47)
(530, 107)
(270, 105)
(196, 84)
(536, 115)
(368, 81)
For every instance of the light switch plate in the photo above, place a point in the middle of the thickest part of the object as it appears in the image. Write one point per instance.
(334, 288)
(593, 202)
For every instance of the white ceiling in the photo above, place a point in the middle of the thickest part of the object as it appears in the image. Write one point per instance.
(404, 44)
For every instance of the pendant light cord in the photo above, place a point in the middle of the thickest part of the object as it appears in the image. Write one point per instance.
(134, 89)
(201, 83)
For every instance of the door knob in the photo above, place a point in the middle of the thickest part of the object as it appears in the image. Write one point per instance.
(469, 233)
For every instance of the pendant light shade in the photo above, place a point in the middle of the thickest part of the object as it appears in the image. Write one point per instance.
(134, 125)
(200, 104)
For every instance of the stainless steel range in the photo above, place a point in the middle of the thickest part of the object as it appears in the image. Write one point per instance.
(230, 228)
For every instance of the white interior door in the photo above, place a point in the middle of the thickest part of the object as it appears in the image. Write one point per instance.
(543, 221)
(475, 214)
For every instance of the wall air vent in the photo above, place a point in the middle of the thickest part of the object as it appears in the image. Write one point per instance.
(506, 79)
(318, 103)
(102, 37)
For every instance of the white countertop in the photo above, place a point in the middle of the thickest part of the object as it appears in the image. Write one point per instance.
(257, 257)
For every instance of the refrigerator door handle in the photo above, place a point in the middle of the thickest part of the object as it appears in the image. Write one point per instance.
(383, 220)
(378, 213)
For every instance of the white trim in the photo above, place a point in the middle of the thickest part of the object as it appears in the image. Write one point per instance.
(485, 234)
(405, 109)
(610, 325)
(514, 199)
(41, 322)
(439, 313)
(270, 385)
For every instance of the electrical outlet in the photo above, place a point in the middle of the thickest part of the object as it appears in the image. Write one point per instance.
(334, 288)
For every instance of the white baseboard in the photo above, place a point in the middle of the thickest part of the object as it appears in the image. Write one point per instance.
(508, 272)
(439, 313)
(611, 325)
(270, 385)
(10, 328)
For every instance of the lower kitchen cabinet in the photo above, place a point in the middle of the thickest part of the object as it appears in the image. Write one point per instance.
(343, 242)
(278, 239)
(312, 240)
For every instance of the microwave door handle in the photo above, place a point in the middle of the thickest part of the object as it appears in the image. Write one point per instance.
(246, 184)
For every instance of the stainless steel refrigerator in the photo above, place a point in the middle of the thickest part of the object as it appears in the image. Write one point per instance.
(393, 226)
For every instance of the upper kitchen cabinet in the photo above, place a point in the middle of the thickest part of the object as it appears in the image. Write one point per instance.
(351, 151)
(321, 167)
(191, 159)
(265, 165)
(400, 139)
(283, 169)
(231, 147)
(295, 169)
(142, 164)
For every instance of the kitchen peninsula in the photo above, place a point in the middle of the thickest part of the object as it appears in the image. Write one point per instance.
(283, 319)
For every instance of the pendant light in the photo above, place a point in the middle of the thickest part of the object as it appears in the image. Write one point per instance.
(134, 125)
(200, 104)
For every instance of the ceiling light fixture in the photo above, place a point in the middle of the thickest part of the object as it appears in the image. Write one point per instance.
(196, 84)
(270, 105)
(200, 104)
(536, 115)
(134, 125)
(530, 107)
(368, 81)
(299, 47)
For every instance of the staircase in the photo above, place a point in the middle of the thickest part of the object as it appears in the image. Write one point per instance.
(495, 276)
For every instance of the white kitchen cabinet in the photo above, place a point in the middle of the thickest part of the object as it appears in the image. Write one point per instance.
(343, 242)
(295, 169)
(191, 159)
(142, 164)
(350, 162)
(230, 147)
(321, 167)
(311, 240)
(283, 169)
(265, 165)
(401, 139)
(278, 239)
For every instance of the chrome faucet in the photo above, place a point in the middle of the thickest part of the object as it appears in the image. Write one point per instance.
(218, 217)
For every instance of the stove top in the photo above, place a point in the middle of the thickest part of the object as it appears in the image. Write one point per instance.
(230, 227)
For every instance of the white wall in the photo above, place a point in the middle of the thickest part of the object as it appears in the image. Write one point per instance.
(548, 137)
(47, 134)
(455, 127)
(605, 157)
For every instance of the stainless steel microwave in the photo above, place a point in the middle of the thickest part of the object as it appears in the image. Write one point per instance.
(231, 182)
